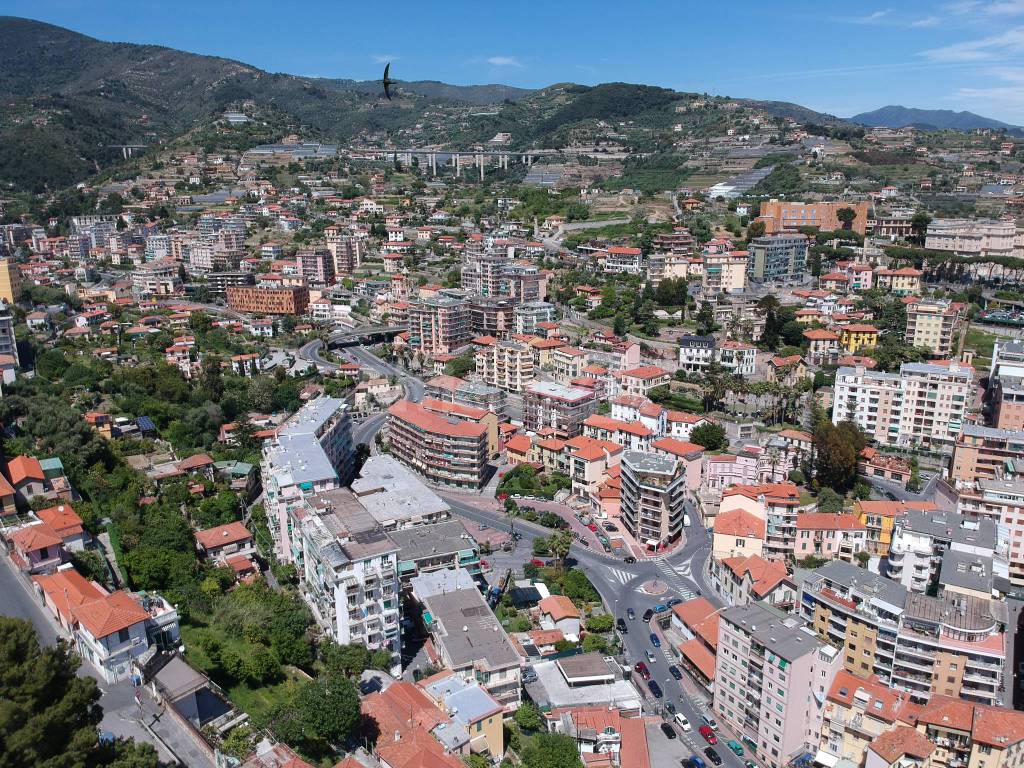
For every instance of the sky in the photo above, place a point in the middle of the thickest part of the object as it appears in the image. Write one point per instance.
(836, 57)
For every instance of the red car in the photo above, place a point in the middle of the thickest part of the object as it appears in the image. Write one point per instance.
(708, 734)
(484, 564)
(592, 527)
(641, 669)
(538, 563)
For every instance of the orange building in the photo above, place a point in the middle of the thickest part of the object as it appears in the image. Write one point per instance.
(783, 216)
(290, 300)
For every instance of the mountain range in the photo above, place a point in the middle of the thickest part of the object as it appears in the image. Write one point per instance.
(894, 116)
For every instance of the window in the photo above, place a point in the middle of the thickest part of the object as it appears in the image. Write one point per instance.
(122, 636)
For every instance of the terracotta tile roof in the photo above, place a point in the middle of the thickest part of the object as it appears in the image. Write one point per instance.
(32, 538)
(797, 435)
(401, 707)
(67, 589)
(645, 372)
(828, 521)
(546, 636)
(195, 462)
(559, 607)
(22, 468)
(947, 712)
(518, 444)
(820, 334)
(997, 727)
(699, 656)
(892, 508)
(681, 417)
(415, 414)
(765, 575)
(739, 522)
(634, 752)
(457, 409)
(110, 614)
(678, 447)
(774, 493)
(221, 535)
(62, 520)
(893, 745)
(883, 702)
(609, 424)
(415, 749)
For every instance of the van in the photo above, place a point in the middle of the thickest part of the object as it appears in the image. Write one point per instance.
(686, 520)
(683, 723)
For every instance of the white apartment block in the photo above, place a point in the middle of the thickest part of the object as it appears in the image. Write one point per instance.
(971, 237)
(922, 405)
(507, 365)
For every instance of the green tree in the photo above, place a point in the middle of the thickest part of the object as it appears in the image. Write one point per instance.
(552, 750)
(846, 216)
(706, 319)
(829, 501)
(595, 643)
(836, 447)
(559, 543)
(329, 708)
(577, 587)
(528, 717)
(755, 229)
(603, 622)
(48, 714)
(711, 436)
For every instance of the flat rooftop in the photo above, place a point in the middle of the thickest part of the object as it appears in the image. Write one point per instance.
(468, 630)
(552, 689)
(782, 634)
(422, 541)
(393, 495)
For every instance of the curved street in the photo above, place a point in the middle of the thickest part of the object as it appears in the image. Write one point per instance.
(682, 573)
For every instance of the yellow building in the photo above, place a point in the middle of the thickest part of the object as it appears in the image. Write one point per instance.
(879, 517)
(857, 336)
(10, 281)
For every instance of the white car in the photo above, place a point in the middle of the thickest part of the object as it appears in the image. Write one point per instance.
(651, 658)
(683, 723)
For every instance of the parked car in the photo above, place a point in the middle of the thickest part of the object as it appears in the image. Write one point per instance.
(670, 707)
(629, 559)
(592, 527)
(683, 723)
(538, 562)
(694, 762)
(641, 669)
(655, 640)
(735, 746)
(710, 722)
(655, 689)
(708, 734)
(610, 527)
(648, 614)
(630, 614)
(484, 564)
(673, 602)
(621, 626)
(651, 658)
(713, 756)
(749, 764)
(660, 608)
(668, 730)
(529, 676)
(674, 671)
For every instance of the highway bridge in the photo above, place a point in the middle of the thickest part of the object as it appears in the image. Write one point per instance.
(457, 157)
(355, 337)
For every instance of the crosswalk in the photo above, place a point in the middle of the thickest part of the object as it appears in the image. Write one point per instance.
(674, 578)
(618, 575)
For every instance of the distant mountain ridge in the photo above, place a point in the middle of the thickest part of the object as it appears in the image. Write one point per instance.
(894, 116)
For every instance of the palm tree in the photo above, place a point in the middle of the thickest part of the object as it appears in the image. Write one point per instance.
(559, 544)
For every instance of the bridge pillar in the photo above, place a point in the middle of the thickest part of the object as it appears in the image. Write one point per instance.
(433, 164)
(458, 165)
(480, 160)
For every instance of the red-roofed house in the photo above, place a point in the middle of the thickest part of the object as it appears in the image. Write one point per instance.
(36, 548)
(66, 523)
(222, 542)
(640, 381)
(111, 633)
(65, 589)
(743, 580)
(737, 533)
(829, 535)
(27, 477)
(559, 612)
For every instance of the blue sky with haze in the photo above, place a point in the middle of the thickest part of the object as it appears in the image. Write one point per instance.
(838, 57)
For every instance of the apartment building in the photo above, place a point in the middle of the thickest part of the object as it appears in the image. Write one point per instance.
(777, 258)
(470, 641)
(782, 216)
(443, 450)
(490, 315)
(858, 712)
(822, 346)
(438, 325)
(971, 734)
(260, 300)
(557, 407)
(924, 404)
(771, 678)
(920, 539)
(696, 353)
(738, 358)
(346, 251)
(620, 260)
(310, 453)
(484, 273)
(469, 413)
(935, 324)
(507, 365)
(921, 645)
(155, 278)
(350, 579)
(905, 281)
(653, 495)
(10, 281)
(528, 315)
(473, 393)
(1002, 503)
(985, 238)
(776, 504)
(1004, 398)
(567, 363)
(827, 535)
(879, 518)
(984, 453)
(316, 265)
(724, 272)
(629, 434)
(855, 337)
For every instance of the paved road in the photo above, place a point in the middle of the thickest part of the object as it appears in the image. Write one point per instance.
(121, 714)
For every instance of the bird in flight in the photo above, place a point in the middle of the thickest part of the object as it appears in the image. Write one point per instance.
(387, 81)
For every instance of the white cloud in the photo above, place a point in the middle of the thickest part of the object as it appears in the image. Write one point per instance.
(983, 49)
(876, 16)
(384, 58)
(1004, 97)
(990, 8)
(504, 61)
(927, 21)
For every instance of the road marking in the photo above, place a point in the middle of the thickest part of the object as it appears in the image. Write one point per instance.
(618, 575)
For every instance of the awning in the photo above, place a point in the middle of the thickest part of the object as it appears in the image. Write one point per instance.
(651, 542)
(826, 759)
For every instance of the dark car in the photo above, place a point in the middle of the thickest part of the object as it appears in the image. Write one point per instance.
(610, 527)
(630, 614)
(713, 756)
(674, 671)
(629, 560)
(668, 730)
(655, 689)
(647, 614)
(670, 707)
(655, 640)
(641, 669)
(673, 602)
(621, 626)
(695, 762)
